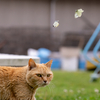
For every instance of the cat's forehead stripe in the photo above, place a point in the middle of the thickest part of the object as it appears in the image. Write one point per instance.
(43, 69)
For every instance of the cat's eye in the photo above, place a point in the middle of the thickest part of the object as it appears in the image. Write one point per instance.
(39, 75)
(48, 75)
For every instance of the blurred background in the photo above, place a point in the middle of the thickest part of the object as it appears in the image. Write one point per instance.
(26, 28)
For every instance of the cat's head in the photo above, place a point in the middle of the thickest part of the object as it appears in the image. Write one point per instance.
(39, 75)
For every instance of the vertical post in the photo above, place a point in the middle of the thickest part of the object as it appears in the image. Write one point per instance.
(52, 14)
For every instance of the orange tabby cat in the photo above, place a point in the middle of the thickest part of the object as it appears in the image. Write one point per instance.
(20, 83)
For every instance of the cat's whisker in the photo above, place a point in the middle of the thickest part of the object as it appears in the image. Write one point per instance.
(53, 85)
(49, 89)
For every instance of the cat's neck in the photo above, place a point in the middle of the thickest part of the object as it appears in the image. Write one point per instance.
(33, 89)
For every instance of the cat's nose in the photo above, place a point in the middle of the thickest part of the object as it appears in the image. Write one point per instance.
(45, 81)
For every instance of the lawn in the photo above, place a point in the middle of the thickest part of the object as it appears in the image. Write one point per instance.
(70, 86)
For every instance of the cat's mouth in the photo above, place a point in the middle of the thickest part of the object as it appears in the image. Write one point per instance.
(44, 84)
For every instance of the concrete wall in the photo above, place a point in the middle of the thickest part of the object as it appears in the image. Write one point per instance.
(22, 13)
(36, 13)
(25, 24)
(65, 13)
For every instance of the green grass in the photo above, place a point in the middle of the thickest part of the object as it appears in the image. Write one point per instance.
(70, 86)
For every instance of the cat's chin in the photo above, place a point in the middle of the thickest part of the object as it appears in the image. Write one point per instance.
(44, 84)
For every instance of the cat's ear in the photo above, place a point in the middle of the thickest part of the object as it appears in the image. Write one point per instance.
(48, 64)
(31, 64)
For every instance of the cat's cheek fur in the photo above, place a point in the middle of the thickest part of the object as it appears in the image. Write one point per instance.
(33, 80)
(30, 80)
(51, 77)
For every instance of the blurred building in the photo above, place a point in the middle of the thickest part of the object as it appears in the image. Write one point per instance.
(37, 16)
(42, 13)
